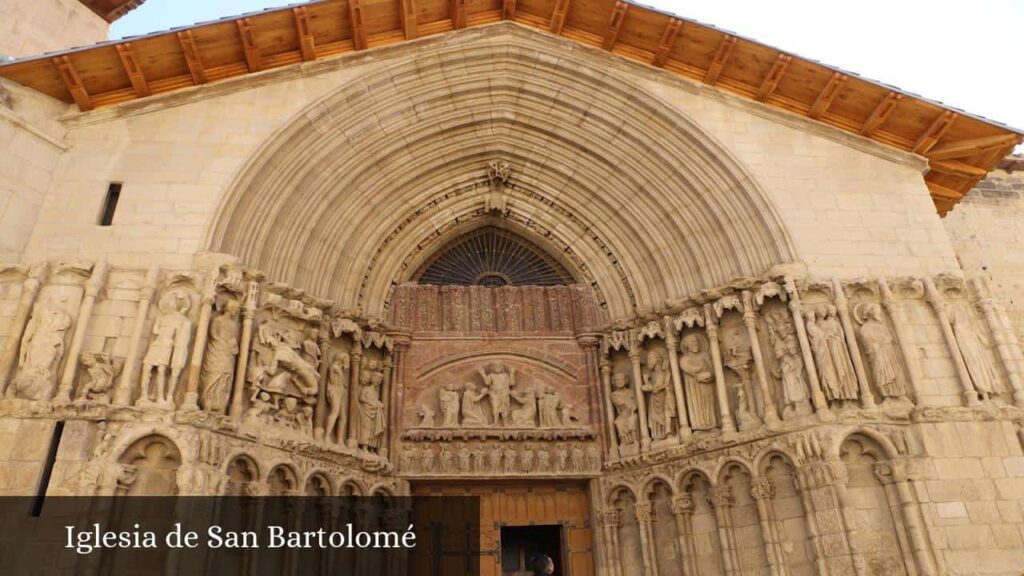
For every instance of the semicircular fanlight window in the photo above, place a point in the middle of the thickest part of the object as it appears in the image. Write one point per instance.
(492, 257)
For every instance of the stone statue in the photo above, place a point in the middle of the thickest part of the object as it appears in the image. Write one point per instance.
(972, 346)
(478, 460)
(494, 458)
(562, 458)
(168, 349)
(448, 397)
(407, 461)
(464, 455)
(427, 460)
(828, 345)
(577, 460)
(42, 348)
(548, 405)
(543, 460)
(472, 410)
(337, 396)
(661, 404)
(880, 349)
(790, 371)
(698, 383)
(100, 371)
(371, 423)
(426, 415)
(525, 415)
(624, 402)
(219, 363)
(499, 380)
(259, 412)
(445, 457)
(509, 456)
(566, 415)
(526, 459)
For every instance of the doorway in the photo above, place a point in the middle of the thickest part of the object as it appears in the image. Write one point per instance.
(520, 545)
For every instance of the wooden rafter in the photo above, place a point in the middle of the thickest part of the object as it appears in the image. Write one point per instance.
(880, 114)
(307, 44)
(611, 33)
(957, 168)
(558, 16)
(459, 14)
(940, 191)
(972, 146)
(252, 52)
(73, 82)
(827, 95)
(409, 19)
(774, 76)
(508, 9)
(192, 56)
(721, 59)
(132, 69)
(935, 132)
(668, 41)
(356, 13)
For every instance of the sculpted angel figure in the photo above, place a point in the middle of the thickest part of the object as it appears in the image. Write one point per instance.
(168, 348)
(42, 348)
(499, 380)
(448, 397)
(219, 363)
(337, 395)
(698, 383)
(661, 404)
(624, 402)
(972, 349)
(880, 349)
(472, 409)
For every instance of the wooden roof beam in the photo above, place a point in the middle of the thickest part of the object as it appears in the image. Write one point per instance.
(774, 76)
(409, 19)
(358, 19)
(508, 9)
(558, 16)
(73, 82)
(972, 146)
(721, 59)
(458, 12)
(131, 67)
(827, 95)
(192, 57)
(252, 52)
(880, 114)
(957, 168)
(307, 44)
(668, 41)
(611, 32)
(935, 132)
(940, 191)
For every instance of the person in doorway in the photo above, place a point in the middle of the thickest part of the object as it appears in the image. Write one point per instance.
(543, 565)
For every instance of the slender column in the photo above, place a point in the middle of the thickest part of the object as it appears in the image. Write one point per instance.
(910, 512)
(641, 406)
(591, 344)
(936, 300)
(320, 410)
(722, 500)
(644, 517)
(611, 520)
(763, 492)
(386, 398)
(606, 383)
(771, 414)
(682, 510)
(1003, 344)
(672, 343)
(402, 344)
(867, 398)
(354, 384)
(817, 396)
(245, 343)
(191, 400)
(804, 487)
(849, 524)
(29, 291)
(711, 325)
(92, 290)
(123, 392)
(899, 324)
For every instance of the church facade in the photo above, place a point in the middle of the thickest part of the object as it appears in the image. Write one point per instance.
(701, 306)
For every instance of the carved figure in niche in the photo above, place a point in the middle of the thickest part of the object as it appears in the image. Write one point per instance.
(698, 383)
(42, 348)
(293, 416)
(526, 459)
(972, 346)
(311, 349)
(168, 349)
(830, 355)
(337, 396)
(548, 406)
(593, 458)
(881, 352)
(100, 371)
(543, 460)
(494, 458)
(445, 457)
(370, 426)
(448, 397)
(624, 402)
(478, 460)
(472, 408)
(577, 459)
(661, 404)
(279, 368)
(219, 362)
(407, 461)
(565, 414)
(737, 359)
(790, 371)
(499, 380)
(509, 455)
(260, 409)
(427, 460)
(525, 415)
(426, 415)
(562, 458)
(464, 457)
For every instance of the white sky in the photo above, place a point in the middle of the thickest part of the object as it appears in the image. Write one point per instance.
(966, 54)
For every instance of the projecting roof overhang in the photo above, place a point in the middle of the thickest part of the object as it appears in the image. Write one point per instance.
(111, 10)
(961, 148)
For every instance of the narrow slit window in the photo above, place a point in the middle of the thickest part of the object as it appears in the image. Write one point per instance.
(51, 459)
(110, 204)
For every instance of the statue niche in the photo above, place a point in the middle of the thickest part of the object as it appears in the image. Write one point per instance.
(661, 402)
(698, 383)
(168, 350)
(828, 345)
(42, 348)
(218, 370)
(283, 378)
(881, 350)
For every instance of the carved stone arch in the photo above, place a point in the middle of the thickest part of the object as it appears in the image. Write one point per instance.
(282, 480)
(151, 466)
(242, 471)
(653, 482)
(382, 490)
(731, 461)
(701, 542)
(687, 474)
(788, 510)
(616, 491)
(319, 482)
(188, 450)
(549, 361)
(882, 445)
(351, 487)
(761, 458)
(660, 201)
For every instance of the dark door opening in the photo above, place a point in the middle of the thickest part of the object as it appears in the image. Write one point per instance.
(521, 544)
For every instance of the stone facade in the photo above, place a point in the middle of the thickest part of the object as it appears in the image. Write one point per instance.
(28, 26)
(771, 360)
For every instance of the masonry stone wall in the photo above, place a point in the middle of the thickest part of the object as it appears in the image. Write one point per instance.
(28, 26)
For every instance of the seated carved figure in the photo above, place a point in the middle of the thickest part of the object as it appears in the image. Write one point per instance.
(624, 402)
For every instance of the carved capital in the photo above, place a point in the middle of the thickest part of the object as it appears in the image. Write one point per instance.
(611, 518)
(644, 512)
(682, 504)
(721, 497)
(762, 489)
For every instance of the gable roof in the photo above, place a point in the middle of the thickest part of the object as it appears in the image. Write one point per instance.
(961, 148)
(111, 10)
